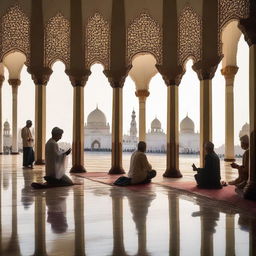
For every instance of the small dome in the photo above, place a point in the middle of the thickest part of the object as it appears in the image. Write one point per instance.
(6, 125)
(156, 124)
(96, 117)
(245, 130)
(187, 125)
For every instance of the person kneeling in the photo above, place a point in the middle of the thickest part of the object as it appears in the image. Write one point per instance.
(209, 176)
(55, 163)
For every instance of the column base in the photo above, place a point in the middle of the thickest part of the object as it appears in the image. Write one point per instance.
(1, 153)
(116, 170)
(172, 173)
(249, 191)
(40, 162)
(229, 159)
(14, 153)
(77, 169)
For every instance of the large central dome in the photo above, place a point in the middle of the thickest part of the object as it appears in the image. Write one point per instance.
(187, 125)
(96, 118)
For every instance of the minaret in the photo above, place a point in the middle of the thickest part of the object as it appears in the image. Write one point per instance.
(133, 128)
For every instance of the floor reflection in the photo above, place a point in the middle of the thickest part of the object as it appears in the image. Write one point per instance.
(97, 219)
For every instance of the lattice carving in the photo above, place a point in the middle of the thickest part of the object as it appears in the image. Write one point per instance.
(232, 9)
(97, 41)
(190, 35)
(15, 32)
(144, 35)
(57, 40)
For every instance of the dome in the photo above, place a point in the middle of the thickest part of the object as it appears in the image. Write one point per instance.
(155, 124)
(187, 125)
(245, 130)
(96, 118)
(6, 125)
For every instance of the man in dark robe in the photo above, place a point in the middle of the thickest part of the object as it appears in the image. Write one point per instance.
(209, 176)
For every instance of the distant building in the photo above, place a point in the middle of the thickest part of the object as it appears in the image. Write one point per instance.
(7, 138)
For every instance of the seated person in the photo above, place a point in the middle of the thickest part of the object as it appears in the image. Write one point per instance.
(243, 169)
(209, 176)
(54, 163)
(140, 169)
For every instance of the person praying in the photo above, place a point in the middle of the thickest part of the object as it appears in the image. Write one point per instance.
(209, 176)
(27, 142)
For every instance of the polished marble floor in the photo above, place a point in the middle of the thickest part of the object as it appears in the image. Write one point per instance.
(98, 219)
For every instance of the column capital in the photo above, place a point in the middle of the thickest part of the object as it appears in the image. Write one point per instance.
(117, 78)
(229, 72)
(171, 76)
(206, 69)
(142, 93)
(14, 82)
(40, 76)
(1, 80)
(78, 77)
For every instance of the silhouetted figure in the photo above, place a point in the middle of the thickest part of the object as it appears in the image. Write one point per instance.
(27, 142)
(55, 163)
(140, 169)
(243, 170)
(209, 176)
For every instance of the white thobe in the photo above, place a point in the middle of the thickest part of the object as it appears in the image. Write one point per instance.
(54, 160)
(139, 167)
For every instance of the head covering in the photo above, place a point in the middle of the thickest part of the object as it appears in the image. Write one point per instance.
(209, 145)
(57, 131)
(28, 122)
(245, 139)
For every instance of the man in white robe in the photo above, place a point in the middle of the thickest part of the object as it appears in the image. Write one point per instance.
(55, 161)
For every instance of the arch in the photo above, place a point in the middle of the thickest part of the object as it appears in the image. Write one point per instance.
(15, 33)
(144, 35)
(97, 41)
(189, 35)
(57, 40)
(95, 145)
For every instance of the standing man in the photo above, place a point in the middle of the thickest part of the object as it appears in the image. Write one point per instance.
(27, 141)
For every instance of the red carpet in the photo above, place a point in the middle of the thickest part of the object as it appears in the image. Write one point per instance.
(226, 194)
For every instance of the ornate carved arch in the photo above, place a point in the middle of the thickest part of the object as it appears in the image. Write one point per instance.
(189, 35)
(229, 10)
(144, 34)
(15, 32)
(57, 40)
(97, 40)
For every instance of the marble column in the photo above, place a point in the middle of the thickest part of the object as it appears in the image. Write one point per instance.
(14, 83)
(229, 73)
(172, 158)
(40, 123)
(1, 117)
(205, 116)
(142, 95)
(248, 26)
(117, 132)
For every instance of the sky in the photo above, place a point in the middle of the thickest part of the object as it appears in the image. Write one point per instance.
(97, 91)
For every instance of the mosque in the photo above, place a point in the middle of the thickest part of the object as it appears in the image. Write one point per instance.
(98, 137)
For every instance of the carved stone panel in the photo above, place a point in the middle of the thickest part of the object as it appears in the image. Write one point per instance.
(190, 35)
(97, 41)
(144, 35)
(57, 40)
(15, 32)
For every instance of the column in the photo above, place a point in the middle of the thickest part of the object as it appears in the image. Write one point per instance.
(142, 95)
(78, 82)
(248, 26)
(172, 158)
(229, 73)
(205, 116)
(1, 118)
(117, 132)
(14, 83)
(40, 123)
